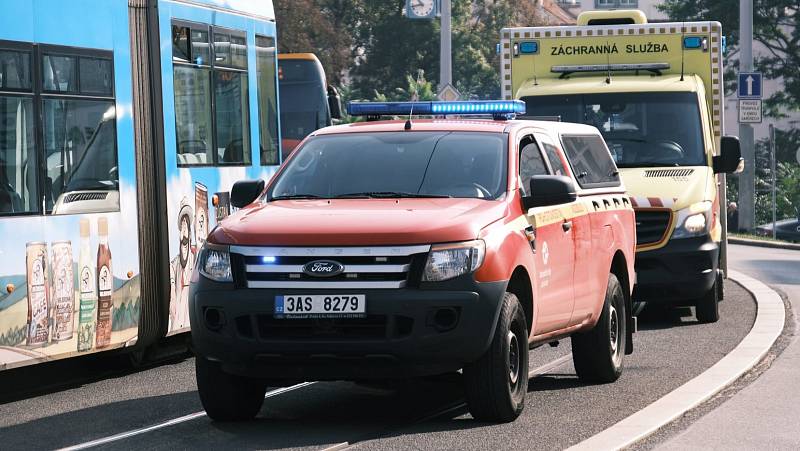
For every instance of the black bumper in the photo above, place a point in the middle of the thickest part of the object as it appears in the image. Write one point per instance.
(400, 337)
(678, 273)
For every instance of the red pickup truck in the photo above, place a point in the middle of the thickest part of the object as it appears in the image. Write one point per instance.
(398, 249)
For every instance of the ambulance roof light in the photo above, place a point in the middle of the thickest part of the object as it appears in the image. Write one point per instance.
(497, 108)
(566, 70)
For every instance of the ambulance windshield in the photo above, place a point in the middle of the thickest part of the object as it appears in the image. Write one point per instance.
(642, 129)
(396, 164)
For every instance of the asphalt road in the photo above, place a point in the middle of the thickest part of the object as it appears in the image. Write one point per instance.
(670, 349)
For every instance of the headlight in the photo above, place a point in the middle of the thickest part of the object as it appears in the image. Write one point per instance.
(215, 264)
(446, 261)
(693, 221)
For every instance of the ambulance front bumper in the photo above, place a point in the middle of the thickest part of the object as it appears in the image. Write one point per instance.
(678, 273)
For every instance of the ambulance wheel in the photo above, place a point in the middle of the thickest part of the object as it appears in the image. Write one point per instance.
(496, 384)
(227, 397)
(597, 353)
(707, 308)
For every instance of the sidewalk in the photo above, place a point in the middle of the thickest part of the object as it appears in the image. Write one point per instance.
(764, 415)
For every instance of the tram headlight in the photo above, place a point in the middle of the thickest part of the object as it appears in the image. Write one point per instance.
(215, 264)
(694, 220)
(446, 261)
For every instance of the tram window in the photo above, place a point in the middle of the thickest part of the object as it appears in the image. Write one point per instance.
(96, 76)
(211, 96)
(60, 73)
(193, 115)
(18, 186)
(232, 118)
(80, 148)
(15, 70)
(267, 100)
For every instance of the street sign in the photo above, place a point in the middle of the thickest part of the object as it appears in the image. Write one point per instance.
(448, 94)
(749, 85)
(749, 111)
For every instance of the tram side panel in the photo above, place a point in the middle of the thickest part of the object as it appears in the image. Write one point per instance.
(218, 75)
(69, 256)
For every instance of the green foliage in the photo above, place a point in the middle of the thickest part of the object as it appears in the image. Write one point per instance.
(381, 51)
(775, 26)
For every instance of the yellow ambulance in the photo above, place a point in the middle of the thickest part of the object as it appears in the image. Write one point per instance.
(655, 91)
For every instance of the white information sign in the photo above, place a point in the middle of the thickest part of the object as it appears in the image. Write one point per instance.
(749, 111)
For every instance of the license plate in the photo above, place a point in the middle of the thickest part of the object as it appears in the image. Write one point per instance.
(320, 306)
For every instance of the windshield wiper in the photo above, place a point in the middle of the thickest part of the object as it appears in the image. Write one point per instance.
(297, 196)
(391, 194)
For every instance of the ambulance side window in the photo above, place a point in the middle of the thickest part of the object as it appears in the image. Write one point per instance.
(530, 162)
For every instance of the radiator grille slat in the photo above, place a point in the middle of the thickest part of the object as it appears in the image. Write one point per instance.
(651, 225)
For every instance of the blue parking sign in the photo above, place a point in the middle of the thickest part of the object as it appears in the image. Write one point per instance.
(749, 85)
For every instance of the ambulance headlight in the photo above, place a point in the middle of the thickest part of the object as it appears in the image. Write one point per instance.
(693, 221)
(215, 264)
(447, 261)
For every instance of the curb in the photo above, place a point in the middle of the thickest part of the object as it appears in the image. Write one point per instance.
(767, 328)
(763, 243)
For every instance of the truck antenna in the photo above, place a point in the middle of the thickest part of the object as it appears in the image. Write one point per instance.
(535, 80)
(608, 66)
(408, 122)
(683, 30)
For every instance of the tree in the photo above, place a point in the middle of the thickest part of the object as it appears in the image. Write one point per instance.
(775, 26)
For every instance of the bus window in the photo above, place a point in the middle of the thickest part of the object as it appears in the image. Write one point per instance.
(267, 100)
(304, 98)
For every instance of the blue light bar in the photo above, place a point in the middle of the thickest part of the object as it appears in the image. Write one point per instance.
(529, 47)
(693, 42)
(473, 107)
(268, 259)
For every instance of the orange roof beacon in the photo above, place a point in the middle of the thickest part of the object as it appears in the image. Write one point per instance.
(413, 247)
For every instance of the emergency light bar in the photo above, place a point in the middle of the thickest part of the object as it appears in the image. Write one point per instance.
(609, 67)
(474, 107)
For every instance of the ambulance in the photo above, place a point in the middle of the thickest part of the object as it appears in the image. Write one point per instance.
(655, 91)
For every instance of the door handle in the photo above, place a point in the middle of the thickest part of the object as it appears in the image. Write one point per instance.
(567, 226)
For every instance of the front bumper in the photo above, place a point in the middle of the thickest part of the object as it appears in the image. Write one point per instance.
(678, 273)
(400, 337)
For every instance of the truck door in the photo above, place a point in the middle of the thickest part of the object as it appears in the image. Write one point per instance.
(553, 247)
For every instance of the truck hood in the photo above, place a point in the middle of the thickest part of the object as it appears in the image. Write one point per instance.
(670, 187)
(358, 222)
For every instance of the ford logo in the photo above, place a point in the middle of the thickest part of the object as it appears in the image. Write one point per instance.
(323, 268)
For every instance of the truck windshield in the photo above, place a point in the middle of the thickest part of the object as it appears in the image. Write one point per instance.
(642, 129)
(396, 164)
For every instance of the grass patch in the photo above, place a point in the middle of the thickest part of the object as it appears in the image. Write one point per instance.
(748, 236)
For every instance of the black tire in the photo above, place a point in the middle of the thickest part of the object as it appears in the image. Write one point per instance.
(496, 384)
(707, 308)
(598, 353)
(227, 397)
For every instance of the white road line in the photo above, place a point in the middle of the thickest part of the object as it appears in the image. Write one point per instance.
(767, 328)
(538, 371)
(168, 423)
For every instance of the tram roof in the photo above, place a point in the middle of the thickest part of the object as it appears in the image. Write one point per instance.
(262, 9)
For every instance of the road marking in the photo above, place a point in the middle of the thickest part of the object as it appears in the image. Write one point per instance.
(538, 371)
(767, 328)
(168, 423)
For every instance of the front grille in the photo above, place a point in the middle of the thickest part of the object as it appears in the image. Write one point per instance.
(79, 197)
(668, 172)
(363, 267)
(372, 326)
(651, 225)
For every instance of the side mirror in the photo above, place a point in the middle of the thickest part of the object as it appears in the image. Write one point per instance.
(729, 159)
(244, 192)
(546, 190)
(334, 103)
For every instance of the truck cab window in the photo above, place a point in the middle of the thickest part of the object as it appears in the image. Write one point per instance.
(530, 163)
(591, 162)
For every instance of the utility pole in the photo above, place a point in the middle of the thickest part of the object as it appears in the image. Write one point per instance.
(772, 173)
(747, 178)
(445, 47)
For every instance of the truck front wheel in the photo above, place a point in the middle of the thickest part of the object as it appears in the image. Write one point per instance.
(707, 308)
(597, 354)
(227, 397)
(496, 384)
